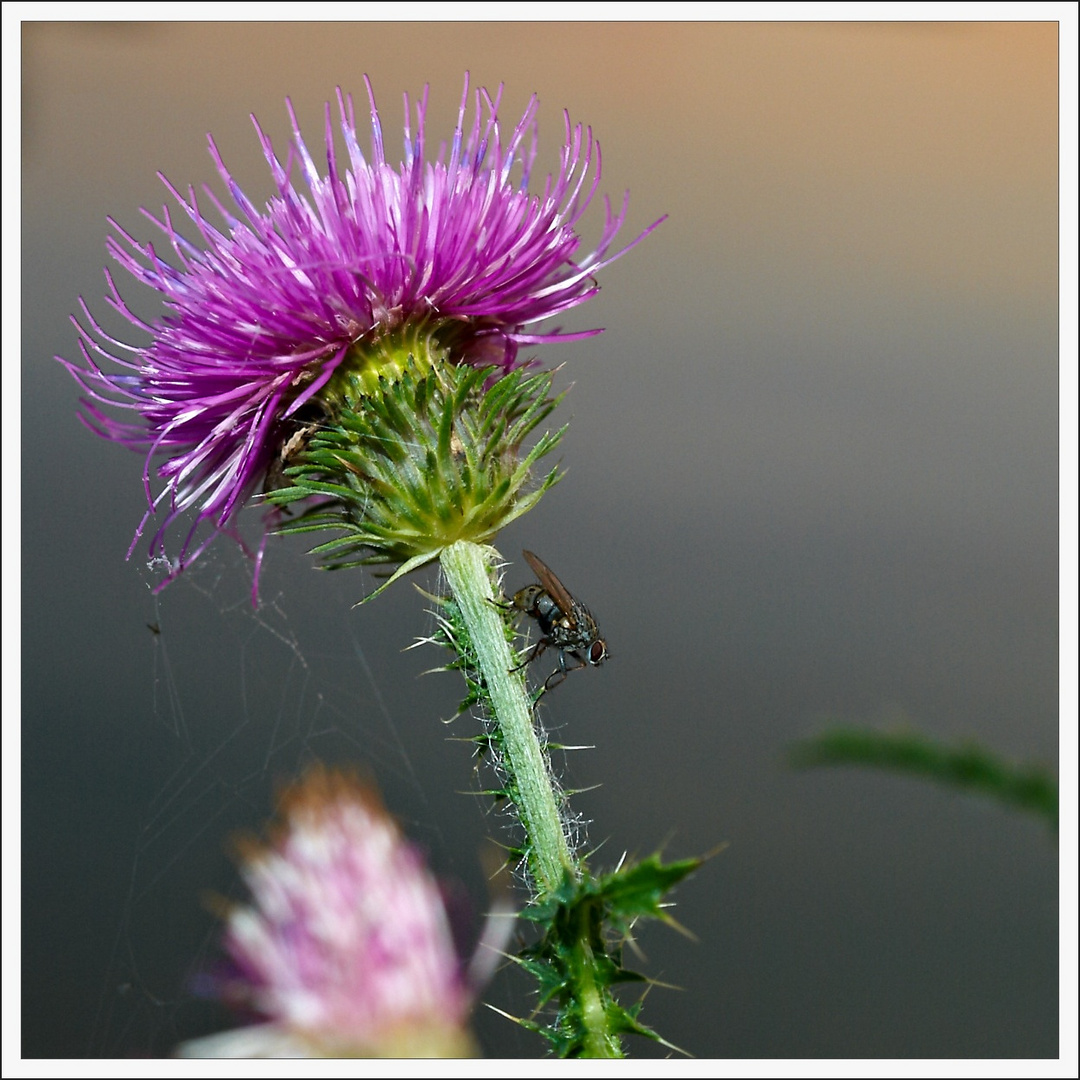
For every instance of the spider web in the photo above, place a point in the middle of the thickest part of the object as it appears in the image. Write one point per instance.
(238, 702)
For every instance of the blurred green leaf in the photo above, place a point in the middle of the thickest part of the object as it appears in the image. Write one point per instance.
(1026, 787)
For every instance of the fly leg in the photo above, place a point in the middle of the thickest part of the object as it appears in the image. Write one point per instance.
(562, 670)
(534, 652)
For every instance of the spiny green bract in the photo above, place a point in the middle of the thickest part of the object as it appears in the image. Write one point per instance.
(417, 462)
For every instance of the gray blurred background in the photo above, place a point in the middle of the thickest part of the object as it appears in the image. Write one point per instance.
(812, 476)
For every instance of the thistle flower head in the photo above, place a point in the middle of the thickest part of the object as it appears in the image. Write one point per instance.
(345, 949)
(264, 311)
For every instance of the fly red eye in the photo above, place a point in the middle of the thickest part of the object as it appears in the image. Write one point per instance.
(597, 652)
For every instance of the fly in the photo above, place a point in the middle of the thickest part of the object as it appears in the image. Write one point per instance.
(565, 624)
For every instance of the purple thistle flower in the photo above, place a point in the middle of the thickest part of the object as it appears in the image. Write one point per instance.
(261, 315)
(345, 949)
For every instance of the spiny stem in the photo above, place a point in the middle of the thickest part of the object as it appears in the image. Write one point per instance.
(468, 570)
(600, 1041)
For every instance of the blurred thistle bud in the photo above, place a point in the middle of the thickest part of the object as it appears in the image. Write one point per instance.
(345, 949)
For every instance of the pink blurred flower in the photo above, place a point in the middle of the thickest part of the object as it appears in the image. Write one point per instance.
(345, 948)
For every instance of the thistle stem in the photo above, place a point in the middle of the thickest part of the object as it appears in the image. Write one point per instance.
(600, 1041)
(468, 570)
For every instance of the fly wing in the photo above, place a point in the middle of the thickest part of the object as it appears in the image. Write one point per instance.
(555, 588)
